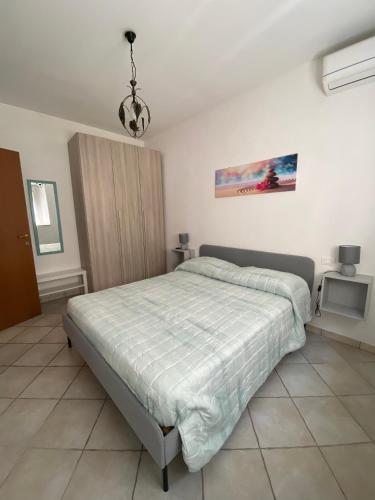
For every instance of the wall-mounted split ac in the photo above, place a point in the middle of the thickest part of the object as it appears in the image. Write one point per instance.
(349, 67)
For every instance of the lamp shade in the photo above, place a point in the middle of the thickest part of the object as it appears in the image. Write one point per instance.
(349, 254)
(184, 238)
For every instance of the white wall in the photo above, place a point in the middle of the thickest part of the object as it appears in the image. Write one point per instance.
(42, 142)
(334, 202)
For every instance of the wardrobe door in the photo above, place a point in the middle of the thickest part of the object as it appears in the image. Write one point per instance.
(79, 206)
(151, 183)
(100, 208)
(129, 210)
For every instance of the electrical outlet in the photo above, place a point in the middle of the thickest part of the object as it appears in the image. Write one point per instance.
(327, 261)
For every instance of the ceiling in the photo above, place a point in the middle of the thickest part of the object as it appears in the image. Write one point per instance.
(68, 58)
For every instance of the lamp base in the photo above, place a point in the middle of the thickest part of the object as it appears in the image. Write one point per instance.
(348, 270)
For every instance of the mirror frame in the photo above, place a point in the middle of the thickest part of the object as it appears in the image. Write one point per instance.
(35, 227)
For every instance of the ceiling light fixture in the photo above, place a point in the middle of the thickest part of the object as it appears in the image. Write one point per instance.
(134, 113)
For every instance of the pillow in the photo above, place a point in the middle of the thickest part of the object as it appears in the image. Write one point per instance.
(201, 263)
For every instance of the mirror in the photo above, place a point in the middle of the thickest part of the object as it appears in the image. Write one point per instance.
(46, 217)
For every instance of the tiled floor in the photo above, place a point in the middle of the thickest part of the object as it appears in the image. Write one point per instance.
(308, 433)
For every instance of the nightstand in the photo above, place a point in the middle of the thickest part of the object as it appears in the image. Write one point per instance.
(346, 296)
(183, 255)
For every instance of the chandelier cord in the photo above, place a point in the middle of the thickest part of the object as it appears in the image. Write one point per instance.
(133, 66)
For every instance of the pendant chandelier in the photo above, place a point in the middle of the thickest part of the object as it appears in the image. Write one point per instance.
(134, 113)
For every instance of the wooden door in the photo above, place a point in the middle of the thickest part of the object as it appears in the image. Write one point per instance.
(19, 298)
(100, 212)
(129, 210)
(151, 182)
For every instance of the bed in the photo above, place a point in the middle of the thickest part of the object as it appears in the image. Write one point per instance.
(181, 354)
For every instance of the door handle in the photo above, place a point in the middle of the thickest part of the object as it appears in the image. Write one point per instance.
(26, 238)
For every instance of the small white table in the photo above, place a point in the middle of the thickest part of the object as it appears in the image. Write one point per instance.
(346, 295)
(184, 254)
(62, 275)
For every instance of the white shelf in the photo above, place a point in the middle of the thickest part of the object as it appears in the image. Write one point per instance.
(183, 254)
(64, 287)
(347, 296)
(185, 251)
(59, 289)
(349, 312)
(358, 278)
(67, 273)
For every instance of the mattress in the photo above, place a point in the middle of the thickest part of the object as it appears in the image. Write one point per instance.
(194, 345)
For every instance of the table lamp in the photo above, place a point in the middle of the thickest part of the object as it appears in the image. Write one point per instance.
(184, 240)
(348, 256)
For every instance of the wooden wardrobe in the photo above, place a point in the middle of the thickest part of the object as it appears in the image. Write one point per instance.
(118, 198)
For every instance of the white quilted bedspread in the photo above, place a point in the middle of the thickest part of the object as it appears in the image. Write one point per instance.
(194, 345)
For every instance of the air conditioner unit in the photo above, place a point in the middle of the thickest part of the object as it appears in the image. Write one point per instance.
(349, 67)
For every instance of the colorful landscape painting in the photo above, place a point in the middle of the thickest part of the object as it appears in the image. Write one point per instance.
(267, 176)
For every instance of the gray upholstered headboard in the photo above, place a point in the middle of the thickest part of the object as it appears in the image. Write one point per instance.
(302, 266)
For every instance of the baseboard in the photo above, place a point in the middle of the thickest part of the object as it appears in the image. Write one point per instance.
(367, 347)
(340, 338)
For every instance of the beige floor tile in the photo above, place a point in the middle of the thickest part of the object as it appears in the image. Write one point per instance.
(243, 435)
(329, 421)
(312, 336)
(302, 380)
(278, 423)
(342, 379)
(67, 357)
(353, 354)
(312, 329)
(7, 334)
(236, 474)
(321, 352)
(363, 410)
(69, 425)
(57, 306)
(10, 352)
(48, 320)
(38, 355)
(183, 485)
(40, 475)
(112, 432)
(23, 419)
(4, 403)
(104, 475)
(15, 379)
(353, 466)
(272, 388)
(56, 336)
(31, 335)
(9, 455)
(295, 357)
(367, 370)
(3, 368)
(298, 473)
(51, 383)
(85, 386)
(30, 321)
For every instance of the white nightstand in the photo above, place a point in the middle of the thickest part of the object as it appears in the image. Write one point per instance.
(183, 255)
(346, 296)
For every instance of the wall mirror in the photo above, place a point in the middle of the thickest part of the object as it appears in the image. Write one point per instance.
(46, 216)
